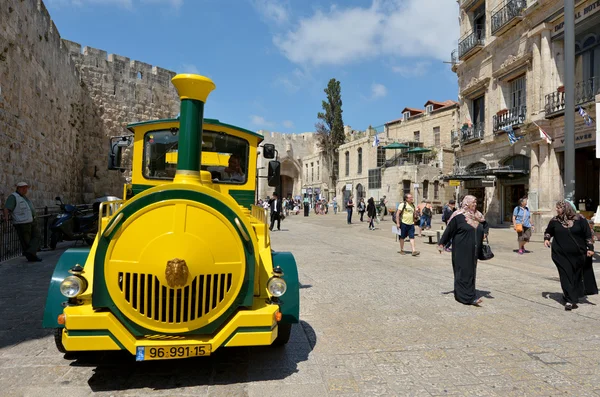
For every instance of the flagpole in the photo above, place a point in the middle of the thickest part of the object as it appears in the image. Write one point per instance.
(569, 80)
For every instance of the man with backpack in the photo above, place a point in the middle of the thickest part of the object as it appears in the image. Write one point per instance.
(406, 216)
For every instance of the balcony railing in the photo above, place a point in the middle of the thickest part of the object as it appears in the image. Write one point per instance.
(508, 13)
(471, 133)
(512, 117)
(585, 91)
(473, 40)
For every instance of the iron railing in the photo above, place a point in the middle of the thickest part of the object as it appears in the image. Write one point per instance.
(10, 246)
(585, 91)
(509, 11)
(454, 57)
(511, 117)
(470, 41)
(472, 133)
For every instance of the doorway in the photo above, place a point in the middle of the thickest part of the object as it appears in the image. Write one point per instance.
(512, 195)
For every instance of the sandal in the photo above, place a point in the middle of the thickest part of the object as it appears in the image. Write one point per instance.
(476, 302)
(415, 253)
(402, 252)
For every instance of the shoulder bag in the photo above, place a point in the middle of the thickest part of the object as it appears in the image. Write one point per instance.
(486, 251)
(518, 226)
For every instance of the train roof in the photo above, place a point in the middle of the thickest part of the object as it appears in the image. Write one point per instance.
(206, 121)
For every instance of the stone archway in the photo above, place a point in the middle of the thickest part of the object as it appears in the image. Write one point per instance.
(290, 177)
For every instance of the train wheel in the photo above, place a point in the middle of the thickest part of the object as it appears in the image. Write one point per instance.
(283, 334)
(58, 340)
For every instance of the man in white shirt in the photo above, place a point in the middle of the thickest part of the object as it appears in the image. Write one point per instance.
(23, 219)
(233, 172)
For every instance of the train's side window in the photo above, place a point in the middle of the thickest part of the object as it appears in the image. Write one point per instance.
(160, 154)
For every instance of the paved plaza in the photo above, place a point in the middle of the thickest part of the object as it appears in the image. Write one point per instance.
(373, 323)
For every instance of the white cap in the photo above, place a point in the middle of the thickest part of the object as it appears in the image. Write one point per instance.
(21, 184)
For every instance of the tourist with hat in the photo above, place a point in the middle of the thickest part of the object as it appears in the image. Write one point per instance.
(23, 218)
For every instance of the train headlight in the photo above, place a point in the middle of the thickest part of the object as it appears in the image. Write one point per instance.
(73, 286)
(276, 286)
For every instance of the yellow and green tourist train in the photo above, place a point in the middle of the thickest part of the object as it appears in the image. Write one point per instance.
(183, 265)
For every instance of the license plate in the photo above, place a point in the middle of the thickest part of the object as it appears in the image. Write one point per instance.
(145, 353)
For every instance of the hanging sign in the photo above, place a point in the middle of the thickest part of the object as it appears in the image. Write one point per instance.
(454, 182)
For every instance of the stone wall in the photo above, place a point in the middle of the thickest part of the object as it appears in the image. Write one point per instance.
(59, 105)
(44, 110)
(124, 91)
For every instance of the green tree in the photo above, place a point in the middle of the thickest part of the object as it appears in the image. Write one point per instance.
(330, 130)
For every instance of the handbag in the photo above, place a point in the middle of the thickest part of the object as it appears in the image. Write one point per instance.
(486, 251)
(519, 227)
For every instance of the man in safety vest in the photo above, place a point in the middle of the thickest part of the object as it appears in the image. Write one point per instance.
(23, 218)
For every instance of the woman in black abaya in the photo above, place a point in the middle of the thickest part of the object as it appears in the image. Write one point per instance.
(571, 245)
(466, 229)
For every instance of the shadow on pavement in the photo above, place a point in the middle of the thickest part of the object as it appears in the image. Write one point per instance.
(119, 370)
(558, 297)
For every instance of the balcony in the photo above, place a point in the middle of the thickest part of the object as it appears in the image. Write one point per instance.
(511, 117)
(471, 43)
(585, 91)
(471, 133)
(507, 16)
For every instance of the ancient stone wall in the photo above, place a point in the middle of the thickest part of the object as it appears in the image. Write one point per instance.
(42, 107)
(123, 91)
(59, 104)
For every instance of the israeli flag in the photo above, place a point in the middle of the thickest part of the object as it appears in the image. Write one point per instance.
(376, 141)
(586, 117)
(512, 139)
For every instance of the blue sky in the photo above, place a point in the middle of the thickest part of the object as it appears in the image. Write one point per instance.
(271, 59)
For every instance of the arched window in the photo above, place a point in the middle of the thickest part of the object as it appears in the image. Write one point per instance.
(518, 162)
(425, 189)
(476, 167)
(360, 192)
(347, 163)
(359, 161)
(436, 190)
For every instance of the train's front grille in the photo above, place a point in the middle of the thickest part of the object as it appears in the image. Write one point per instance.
(174, 305)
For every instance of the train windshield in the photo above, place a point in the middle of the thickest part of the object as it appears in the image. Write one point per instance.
(224, 156)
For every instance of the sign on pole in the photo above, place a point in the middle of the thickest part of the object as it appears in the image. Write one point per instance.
(454, 182)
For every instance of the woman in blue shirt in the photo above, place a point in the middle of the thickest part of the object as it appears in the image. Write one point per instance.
(522, 217)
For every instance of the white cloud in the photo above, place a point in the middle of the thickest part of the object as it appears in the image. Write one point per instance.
(288, 124)
(260, 121)
(378, 91)
(272, 10)
(416, 70)
(188, 68)
(405, 28)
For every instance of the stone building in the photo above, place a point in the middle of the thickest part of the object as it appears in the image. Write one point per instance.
(509, 64)
(59, 104)
(370, 171)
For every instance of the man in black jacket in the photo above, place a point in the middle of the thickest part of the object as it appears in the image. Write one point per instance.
(446, 215)
(276, 210)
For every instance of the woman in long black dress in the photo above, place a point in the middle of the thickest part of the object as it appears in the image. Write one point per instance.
(371, 213)
(571, 244)
(466, 229)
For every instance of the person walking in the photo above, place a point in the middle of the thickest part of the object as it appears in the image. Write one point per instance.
(306, 204)
(24, 221)
(335, 206)
(362, 207)
(405, 222)
(426, 214)
(446, 215)
(371, 213)
(570, 237)
(383, 207)
(350, 208)
(276, 210)
(466, 229)
(522, 224)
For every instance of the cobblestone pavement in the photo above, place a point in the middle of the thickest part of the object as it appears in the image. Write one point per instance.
(373, 323)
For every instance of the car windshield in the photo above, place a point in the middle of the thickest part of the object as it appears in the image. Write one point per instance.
(224, 156)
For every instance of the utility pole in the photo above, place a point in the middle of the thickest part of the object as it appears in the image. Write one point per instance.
(569, 40)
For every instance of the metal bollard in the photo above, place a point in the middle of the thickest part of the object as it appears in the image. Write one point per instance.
(45, 228)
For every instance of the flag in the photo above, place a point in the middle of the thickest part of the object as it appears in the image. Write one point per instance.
(586, 117)
(512, 139)
(543, 134)
(376, 141)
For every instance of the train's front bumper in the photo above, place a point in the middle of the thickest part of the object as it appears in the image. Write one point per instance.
(87, 330)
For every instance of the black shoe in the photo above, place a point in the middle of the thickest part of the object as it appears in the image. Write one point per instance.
(34, 259)
(571, 306)
(278, 229)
